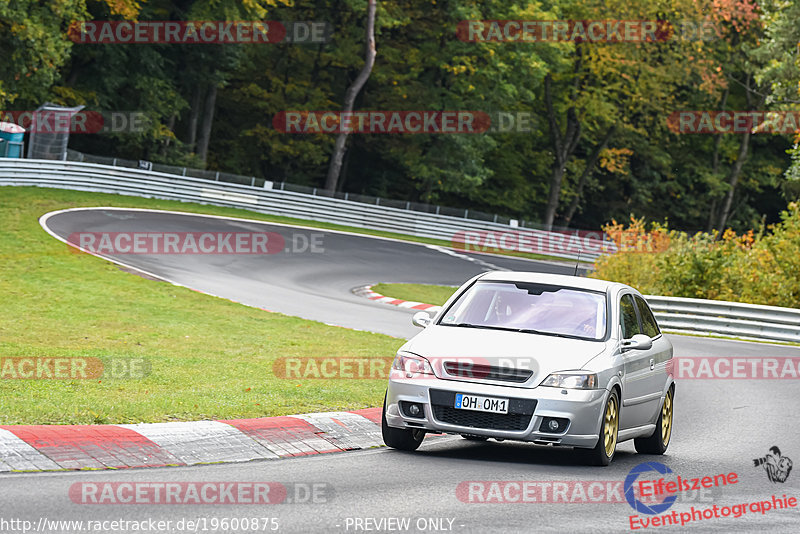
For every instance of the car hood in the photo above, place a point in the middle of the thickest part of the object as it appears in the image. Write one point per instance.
(541, 354)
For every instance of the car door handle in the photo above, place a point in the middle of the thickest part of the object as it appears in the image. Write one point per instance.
(652, 364)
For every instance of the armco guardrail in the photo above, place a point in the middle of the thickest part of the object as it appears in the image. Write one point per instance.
(220, 176)
(108, 179)
(726, 318)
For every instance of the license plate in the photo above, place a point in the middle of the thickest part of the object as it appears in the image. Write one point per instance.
(481, 404)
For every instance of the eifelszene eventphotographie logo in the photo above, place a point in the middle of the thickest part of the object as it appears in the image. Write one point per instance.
(630, 486)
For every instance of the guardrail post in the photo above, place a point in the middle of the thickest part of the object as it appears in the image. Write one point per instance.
(114, 163)
(216, 177)
(495, 218)
(437, 209)
(346, 195)
(408, 205)
(466, 212)
(377, 201)
(184, 172)
(252, 181)
(314, 191)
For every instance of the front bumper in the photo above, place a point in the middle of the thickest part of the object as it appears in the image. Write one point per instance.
(583, 408)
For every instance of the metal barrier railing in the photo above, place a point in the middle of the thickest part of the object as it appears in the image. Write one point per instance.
(219, 176)
(266, 199)
(719, 317)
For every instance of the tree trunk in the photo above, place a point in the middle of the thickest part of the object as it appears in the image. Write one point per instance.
(556, 177)
(208, 121)
(343, 174)
(718, 137)
(712, 215)
(587, 171)
(194, 113)
(733, 179)
(736, 170)
(712, 212)
(335, 165)
(562, 148)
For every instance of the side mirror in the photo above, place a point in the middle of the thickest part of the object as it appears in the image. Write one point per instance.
(637, 342)
(421, 319)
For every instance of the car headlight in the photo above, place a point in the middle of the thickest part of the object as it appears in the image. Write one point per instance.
(411, 364)
(571, 380)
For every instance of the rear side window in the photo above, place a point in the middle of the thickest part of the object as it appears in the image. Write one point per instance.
(627, 317)
(649, 323)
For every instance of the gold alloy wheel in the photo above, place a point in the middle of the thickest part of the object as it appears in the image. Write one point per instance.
(666, 419)
(610, 426)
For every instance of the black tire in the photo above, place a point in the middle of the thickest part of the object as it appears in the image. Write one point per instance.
(400, 438)
(658, 442)
(608, 425)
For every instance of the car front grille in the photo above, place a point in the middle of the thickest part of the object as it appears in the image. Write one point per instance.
(518, 417)
(491, 421)
(487, 372)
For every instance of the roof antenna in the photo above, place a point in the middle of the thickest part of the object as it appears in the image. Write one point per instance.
(576, 262)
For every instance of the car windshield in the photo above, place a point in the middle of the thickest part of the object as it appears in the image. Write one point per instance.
(530, 307)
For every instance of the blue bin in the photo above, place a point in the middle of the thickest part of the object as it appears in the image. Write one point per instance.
(11, 136)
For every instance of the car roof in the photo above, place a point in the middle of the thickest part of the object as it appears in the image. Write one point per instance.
(579, 282)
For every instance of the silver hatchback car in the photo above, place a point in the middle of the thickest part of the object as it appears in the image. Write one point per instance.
(551, 359)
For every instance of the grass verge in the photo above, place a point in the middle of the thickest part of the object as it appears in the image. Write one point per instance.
(209, 358)
(425, 293)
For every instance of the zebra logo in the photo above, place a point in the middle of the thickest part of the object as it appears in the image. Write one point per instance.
(777, 467)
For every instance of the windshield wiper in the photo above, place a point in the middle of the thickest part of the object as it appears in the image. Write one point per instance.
(542, 333)
(484, 326)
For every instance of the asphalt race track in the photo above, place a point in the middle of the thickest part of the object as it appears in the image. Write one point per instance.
(312, 284)
(720, 425)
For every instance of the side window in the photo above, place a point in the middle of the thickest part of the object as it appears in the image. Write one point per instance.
(627, 317)
(649, 323)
